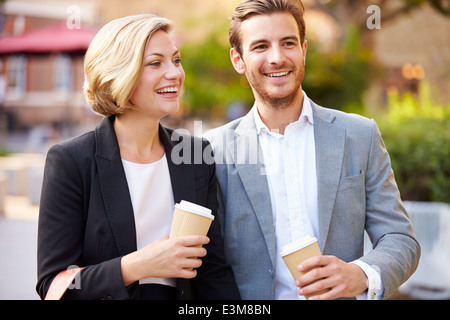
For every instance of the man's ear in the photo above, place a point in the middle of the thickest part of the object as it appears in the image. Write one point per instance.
(237, 61)
(305, 49)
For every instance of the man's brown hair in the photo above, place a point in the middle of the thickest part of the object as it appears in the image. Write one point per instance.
(248, 8)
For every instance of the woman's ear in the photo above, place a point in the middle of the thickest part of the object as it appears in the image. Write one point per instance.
(237, 61)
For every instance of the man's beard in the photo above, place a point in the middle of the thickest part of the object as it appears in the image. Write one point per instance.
(272, 99)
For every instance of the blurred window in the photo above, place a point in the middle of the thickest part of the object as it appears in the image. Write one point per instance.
(17, 74)
(63, 73)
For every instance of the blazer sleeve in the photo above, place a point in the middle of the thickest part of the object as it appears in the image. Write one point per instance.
(62, 217)
(396, 251)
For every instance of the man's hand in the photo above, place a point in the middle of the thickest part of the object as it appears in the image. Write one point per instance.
(328, 272)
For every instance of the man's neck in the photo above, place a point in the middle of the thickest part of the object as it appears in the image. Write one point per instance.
(278, 117)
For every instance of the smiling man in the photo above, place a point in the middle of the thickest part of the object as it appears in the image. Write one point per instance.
(274, 62)
(320, 172)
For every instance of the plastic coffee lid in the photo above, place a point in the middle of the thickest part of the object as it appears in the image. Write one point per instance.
(194, 208)
(297, 244)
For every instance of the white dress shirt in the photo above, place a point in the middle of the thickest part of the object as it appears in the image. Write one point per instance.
(290, 165)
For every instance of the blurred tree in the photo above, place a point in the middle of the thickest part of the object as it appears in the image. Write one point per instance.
(354, 12)
(351, 14)
(335, 79)
(443, 6)
(211, 81)
(416, 132)
(339, 78)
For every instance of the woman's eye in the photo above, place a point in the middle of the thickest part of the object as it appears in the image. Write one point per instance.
(154, 64)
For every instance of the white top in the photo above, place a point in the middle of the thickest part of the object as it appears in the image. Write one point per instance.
(152, 199)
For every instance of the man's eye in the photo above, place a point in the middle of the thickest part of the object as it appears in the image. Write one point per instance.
(289, 44)
(260, 47)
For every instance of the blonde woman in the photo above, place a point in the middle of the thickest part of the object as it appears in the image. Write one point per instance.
(108, 195)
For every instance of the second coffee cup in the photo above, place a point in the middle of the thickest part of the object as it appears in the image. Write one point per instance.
(296, 252)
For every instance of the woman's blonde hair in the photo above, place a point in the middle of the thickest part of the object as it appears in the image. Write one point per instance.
(114, 61)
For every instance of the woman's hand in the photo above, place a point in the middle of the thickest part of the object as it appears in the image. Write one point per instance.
(165, 258)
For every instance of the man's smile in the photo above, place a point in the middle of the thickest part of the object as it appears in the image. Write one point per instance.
(277, 74)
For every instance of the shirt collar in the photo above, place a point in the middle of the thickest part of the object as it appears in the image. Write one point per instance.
(306, 113)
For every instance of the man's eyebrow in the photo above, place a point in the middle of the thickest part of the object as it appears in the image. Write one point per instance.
(295, 38)
(256, 42)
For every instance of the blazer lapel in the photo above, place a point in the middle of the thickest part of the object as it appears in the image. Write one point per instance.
(330, 144)
(182, 179)
(181, 175)
(114, 187)
(247, 156)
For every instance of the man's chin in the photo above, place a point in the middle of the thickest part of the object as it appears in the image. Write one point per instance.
(280, 99)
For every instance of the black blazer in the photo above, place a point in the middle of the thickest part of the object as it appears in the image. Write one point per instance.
(86, 218)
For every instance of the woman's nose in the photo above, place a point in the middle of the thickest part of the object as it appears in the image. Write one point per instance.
(174, 72)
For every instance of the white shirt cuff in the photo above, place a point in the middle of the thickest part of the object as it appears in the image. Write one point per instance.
(375, 290)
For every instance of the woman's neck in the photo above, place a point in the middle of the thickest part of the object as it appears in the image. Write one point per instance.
(138, 138)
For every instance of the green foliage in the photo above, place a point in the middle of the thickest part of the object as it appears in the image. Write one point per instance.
(338, 79)
(211, 81)
(334, 79)
(416, 132)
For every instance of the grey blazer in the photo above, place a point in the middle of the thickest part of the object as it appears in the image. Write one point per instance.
(356, 192)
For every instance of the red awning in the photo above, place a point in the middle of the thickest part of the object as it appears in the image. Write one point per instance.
(55, 38)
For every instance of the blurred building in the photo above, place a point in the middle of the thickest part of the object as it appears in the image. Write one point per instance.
(415, 47)
(42, 45)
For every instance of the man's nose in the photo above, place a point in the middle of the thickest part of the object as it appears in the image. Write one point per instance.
(276, 56)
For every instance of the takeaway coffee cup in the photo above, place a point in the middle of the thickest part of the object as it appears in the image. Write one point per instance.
(296, 252)
(190, 219)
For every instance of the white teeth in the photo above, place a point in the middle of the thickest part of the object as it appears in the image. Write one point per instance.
(168, 90)
(279, 74)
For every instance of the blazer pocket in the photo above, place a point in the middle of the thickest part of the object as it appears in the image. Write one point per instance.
(352, 181)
